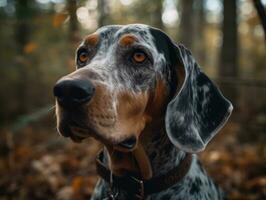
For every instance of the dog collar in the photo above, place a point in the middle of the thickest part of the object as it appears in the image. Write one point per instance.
(142, 188)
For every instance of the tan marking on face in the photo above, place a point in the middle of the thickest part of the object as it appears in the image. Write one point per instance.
(92, 40)
(100, 111)
(158, 100)
(127, 40)
(131, 116)
(131, 105)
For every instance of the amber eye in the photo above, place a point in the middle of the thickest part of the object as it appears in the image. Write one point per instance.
(139, 56)
(83, 56)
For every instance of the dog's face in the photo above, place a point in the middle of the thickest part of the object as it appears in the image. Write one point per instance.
(118, 86)
(128, 76)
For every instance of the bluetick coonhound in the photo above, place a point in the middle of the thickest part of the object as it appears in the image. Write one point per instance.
(146, 99)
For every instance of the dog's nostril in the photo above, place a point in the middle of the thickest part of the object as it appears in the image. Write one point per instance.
(73, 92)
(129, 143)
(81, 94)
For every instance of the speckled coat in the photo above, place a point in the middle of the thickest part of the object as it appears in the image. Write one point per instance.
(194, 114)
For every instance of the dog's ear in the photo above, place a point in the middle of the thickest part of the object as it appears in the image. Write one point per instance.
(197, 110)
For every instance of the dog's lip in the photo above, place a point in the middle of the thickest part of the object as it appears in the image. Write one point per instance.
(72, 131)
(78, 133)
(76, 138)
(81, 133)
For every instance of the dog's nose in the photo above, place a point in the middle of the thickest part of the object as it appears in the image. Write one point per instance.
(73, 92)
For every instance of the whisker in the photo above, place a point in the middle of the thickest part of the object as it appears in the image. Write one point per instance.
(51, 108)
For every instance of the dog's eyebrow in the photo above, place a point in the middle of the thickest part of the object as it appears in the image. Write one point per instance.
(127, 40)
(92, 39)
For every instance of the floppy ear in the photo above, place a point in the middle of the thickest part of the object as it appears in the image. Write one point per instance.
(198, 110)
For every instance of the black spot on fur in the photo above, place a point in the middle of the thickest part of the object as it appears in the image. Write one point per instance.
(210, 182)
(195, 186)
(166, 197)
(153, 155)
(168, 148)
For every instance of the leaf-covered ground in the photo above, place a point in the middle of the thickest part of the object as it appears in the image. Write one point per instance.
(39, 165)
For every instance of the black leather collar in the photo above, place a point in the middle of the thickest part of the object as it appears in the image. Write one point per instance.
(142, 188)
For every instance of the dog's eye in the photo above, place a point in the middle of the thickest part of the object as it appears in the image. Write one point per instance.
(139, 56)
(83, 56)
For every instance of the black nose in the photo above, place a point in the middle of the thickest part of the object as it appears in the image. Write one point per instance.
(73, 92)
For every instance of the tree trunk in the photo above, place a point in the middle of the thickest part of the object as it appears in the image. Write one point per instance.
(261, 13)
(186, 24)
(200, 43)
(229, 53)
(22, 37)
(73, 21)
(228, 67)
(103, 10)
(156, 14)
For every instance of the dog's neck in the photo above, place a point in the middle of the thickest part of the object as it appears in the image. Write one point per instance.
(161, 153)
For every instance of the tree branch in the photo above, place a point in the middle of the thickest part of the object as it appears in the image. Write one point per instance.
(262, 15)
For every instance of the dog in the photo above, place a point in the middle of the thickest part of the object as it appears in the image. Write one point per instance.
(147, 100)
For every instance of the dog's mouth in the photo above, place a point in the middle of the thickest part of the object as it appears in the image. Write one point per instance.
(126, 153)
(77, 133)
(125, 145)
(72, 131)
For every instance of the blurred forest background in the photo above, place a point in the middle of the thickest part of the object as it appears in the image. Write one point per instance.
(38, 39)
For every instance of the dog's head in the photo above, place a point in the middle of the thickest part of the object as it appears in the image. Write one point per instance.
(130, 76)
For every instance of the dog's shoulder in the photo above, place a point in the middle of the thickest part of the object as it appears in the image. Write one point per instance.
(196, 185)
